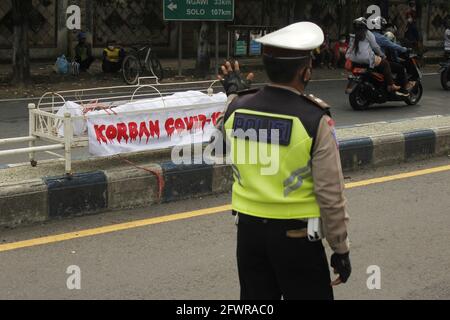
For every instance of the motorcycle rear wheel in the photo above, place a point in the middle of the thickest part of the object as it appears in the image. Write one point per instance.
(415, 95)
(445, 79)
(357, 101)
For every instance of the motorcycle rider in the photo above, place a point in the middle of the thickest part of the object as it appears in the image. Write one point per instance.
(364, 50)
(445, 72)
(392, 51)
(447, 38)
(391, 36)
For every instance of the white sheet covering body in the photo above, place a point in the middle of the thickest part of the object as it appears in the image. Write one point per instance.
(179, 119)
(79, 126)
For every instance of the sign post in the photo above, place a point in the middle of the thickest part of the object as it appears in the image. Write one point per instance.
(216, 67)
(180, 47)
(198, 10)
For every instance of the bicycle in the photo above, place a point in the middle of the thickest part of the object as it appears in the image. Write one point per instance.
(133, 65)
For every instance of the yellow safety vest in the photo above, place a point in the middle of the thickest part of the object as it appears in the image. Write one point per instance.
(112, 55)
(287, 194)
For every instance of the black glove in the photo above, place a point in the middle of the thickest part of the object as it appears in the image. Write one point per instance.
(233, 83)
(341, 262)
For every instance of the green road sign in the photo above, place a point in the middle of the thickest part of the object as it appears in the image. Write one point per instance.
(241, 48)
(205, 10)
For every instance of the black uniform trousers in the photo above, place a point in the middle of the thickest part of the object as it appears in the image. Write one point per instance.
(111, 67)
(272, 265)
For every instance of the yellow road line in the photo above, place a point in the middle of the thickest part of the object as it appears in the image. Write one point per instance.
(187, 215)
(397, 177)
(111, 228)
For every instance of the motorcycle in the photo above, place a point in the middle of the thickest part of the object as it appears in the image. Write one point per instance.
(366, 87)
(445, 74)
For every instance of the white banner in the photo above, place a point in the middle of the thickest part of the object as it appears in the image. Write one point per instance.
(173, 124)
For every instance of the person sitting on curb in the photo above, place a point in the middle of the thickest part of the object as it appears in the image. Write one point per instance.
(340, 49)
(326, 53)
(113, 56)
(83, 52)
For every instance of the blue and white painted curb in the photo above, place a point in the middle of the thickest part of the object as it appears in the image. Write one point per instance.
(92, 192)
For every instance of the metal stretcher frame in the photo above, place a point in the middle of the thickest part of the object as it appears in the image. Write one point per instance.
(44, 122)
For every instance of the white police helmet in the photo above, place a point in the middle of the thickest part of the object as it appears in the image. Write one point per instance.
(300, 36)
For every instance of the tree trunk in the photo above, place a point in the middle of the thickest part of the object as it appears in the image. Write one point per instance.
(384, 4)
(299, 11)
(203, 51)
(21, 53)
(349, 16)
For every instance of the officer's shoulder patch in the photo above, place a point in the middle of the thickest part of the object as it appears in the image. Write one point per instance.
(316, 101)
(332, 124)
(249, 91)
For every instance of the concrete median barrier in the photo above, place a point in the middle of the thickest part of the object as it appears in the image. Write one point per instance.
(388, 149)
(392, 148)
(222, 178)
(23, 202)
(158, 180)
(442, 141)
(82, 193)
(356, 152)
(185, 181)
(133, 187)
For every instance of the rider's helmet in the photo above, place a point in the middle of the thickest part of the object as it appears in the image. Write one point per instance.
(390, 36)
(379, 23)
(360, 23)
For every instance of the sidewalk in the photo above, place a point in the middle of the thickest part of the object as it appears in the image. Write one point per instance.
(44, 79)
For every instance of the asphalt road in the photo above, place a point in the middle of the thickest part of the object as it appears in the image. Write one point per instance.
(400, 226)
(14, 115)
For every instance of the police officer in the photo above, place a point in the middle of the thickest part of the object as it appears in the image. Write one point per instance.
(280, 215)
